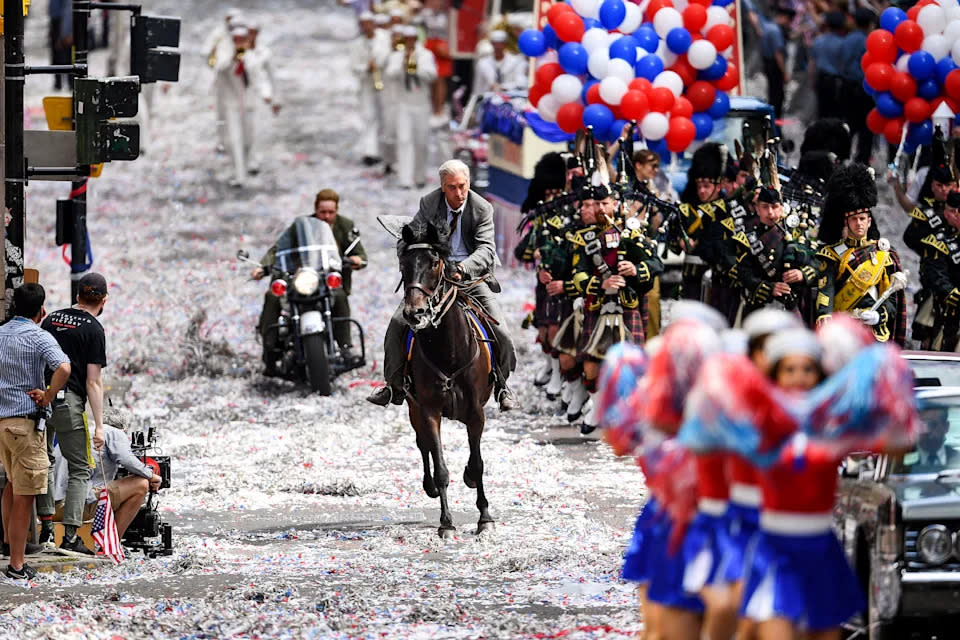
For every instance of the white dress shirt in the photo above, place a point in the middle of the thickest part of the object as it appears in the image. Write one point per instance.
(458, 252)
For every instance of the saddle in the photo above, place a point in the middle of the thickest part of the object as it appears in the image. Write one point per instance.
(481, 329)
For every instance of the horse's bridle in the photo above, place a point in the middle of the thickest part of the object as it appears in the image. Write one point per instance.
(441, 299)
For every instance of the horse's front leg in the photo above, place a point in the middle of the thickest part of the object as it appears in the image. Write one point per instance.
(441, 477)
(473, 474)
(424, 444)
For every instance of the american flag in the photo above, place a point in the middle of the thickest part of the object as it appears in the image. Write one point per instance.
(104, 529)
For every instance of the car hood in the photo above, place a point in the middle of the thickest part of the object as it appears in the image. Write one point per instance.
(922, 497)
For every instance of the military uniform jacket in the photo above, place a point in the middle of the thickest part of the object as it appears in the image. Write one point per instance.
(557, 252)
(925, 218)
(344, 232)
(760, 255)
(854, 274)
(940, 274)
(613, 247)
(698, 221)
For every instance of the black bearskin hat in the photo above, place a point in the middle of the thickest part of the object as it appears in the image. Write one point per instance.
(851, 188)
(709, 161)
(550, 173)
(828, 134)
(817, 164)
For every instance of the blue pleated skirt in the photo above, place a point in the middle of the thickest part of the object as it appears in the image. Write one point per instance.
(702, 551)
(805, 579)
(636, 566)
(735, 540)
(666, 571)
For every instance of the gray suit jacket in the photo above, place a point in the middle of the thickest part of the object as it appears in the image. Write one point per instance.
(476, 229)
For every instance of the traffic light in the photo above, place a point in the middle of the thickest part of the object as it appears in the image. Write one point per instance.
(96, 102)
(151, 64)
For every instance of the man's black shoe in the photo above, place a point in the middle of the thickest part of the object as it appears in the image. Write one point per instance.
(587, 429)
(29, 549)
(369, 161)
(385, 395)
(47, 541)
(506, 399)
(26, 572)
(349, 355)
(76, 546)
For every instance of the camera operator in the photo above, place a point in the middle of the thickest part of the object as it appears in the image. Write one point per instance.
(126, 493)
(81, 337)
(26, 351)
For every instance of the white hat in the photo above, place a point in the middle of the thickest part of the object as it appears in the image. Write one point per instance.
(239, 32)
(232, 12)
(381, 19)
(397, 13)
(366, 16)
(398, 29)
(768, 321)
(693, 310)
(498, 36)
(410, 31)
(792, 342)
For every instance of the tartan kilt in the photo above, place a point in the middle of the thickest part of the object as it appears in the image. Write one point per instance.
(548, 309)
(633, 322)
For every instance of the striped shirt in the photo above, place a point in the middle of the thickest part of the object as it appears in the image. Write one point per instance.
(26, 351)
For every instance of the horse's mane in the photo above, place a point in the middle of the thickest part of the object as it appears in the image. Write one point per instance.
(436, 235)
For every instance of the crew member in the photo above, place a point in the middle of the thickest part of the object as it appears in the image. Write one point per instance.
(858, 103)
(701, 205)
(774, 51)
(827, 57)
(500, 71)
(326, 208)
(940, 275)
(81, 336)
(473, 248)
(368, 55)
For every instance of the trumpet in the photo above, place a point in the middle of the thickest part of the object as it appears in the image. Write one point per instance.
(412, 63)
(377, 78)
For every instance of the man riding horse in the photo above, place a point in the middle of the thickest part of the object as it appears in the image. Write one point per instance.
(472, 248)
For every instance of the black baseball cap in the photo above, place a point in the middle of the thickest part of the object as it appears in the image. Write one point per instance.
(769, 195)
(92, 284)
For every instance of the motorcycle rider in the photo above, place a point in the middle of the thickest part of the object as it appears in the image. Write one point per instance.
(472, 247)
(326, 208)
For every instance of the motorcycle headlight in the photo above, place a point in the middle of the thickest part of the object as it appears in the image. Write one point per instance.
(306, 281)
(934, 544)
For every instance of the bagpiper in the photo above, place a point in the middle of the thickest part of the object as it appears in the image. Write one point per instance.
(860, 272)
(940, 275)
(700, 205)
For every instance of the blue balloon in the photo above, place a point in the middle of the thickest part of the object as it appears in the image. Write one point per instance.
(590, 23)
(722, 3)
(869, 90)
(660, 148)
(704, 124)
(612, 13)
(714, 71)
(649, 67)
(625, 48)
(921, 133)
(891, 18)
(551, 37)
(647, 37)
(616, 129)
(573, 58)
(888, 106)
(586, 87)
(720, 106)
(532, 43)
(598, 116)
(944, 67)
(921, 65)
(678, 40)
(928, 89)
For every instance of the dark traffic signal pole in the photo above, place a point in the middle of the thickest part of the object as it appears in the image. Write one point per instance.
(14, 169)
(78, 191)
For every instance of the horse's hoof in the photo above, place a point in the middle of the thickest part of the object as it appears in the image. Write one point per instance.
(430, 488)
(446, 532)
(467, 480)
(485, 526)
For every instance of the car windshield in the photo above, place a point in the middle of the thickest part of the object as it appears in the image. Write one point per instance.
(935, 373)
(938, 445)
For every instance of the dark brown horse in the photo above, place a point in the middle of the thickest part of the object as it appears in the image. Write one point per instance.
(449, 368)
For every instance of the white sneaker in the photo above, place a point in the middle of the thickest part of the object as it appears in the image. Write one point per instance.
(543, 375)
(592, 421)
(555, 385)
(578, 399)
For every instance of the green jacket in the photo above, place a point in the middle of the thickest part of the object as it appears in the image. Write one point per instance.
(344, 232)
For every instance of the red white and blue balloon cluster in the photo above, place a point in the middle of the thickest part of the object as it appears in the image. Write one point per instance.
(663, 63)
(911, 70)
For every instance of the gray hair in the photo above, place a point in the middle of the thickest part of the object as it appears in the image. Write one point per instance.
(452, 168)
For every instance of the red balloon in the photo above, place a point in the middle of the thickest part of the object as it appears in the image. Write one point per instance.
(952, 84)
(879, 75)
(730, 79)
(656, 5)
(569, 27)
(680, 135)
(916, 110)
(903, 86)
(536, 92)
(557, 10)
(705, 3)
(681, 108)
(640, 84)
(634, 105)
(876, 122)
(893, 130)
(570, 117)
(593, 94)
(908, 36)
(912, 14)
(661, 99)
(881, 46)
(721, 35)
(701, 94)
(685, 70)
(547, 73)
(694, 17)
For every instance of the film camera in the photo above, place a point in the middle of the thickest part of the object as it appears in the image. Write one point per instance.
(148, 532)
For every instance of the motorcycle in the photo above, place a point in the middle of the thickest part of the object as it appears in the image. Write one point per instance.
(305, 277)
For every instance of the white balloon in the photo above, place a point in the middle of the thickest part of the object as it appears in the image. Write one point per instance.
(549, 56)
(666, 20)
(936, 45)
(598, 61)
(946, 4)
(548, 107)
(716, 15)
(566, 88)
(702, 54)
(612, 89)
(680, 5)
(671, 80)
(931, 19)
(621, 69)
(594, 39)
(904, 62)
(663, 52)
(953, 13)
(653, 126)
(955, 53)
(632, 19)
(952, 32)
(585, 7)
